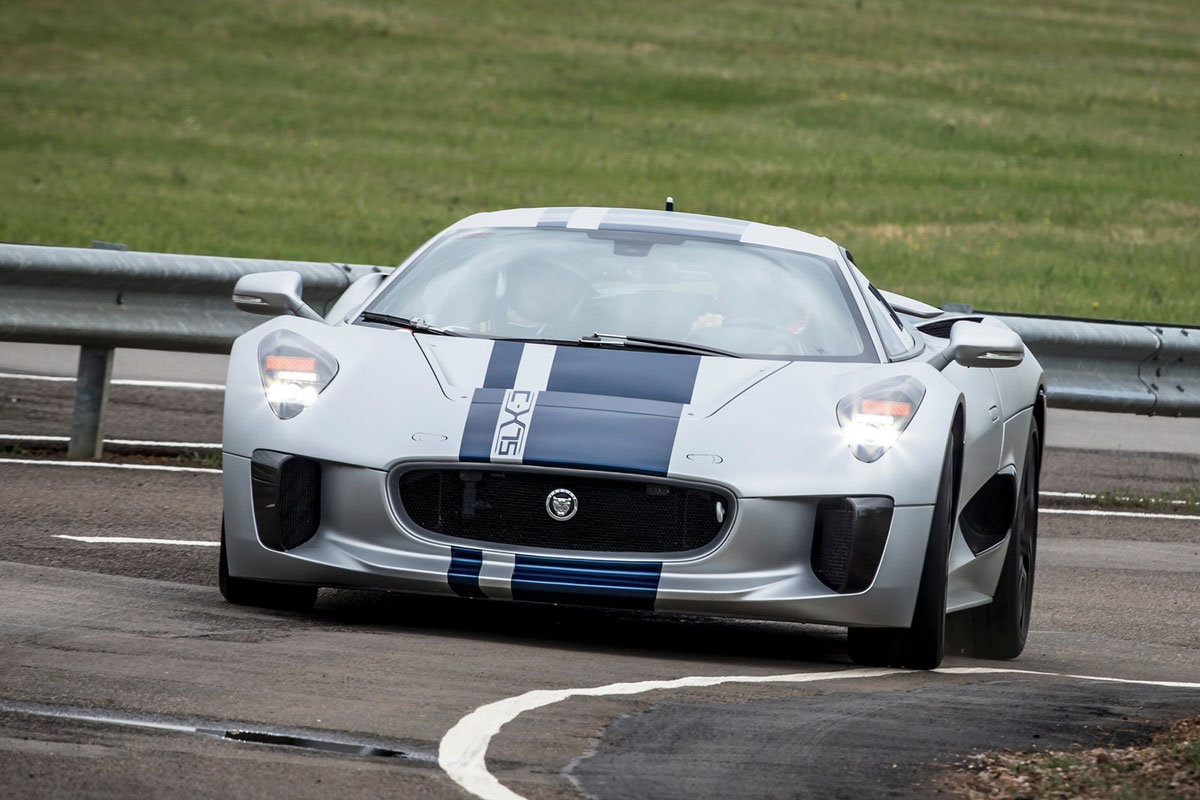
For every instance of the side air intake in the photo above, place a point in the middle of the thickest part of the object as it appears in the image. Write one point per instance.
(985, 520)
(287, 498)
(848, 540)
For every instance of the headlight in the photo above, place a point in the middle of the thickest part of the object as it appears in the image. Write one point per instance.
(294, 372)
(873, 418)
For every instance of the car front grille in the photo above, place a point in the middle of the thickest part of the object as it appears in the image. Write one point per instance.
(613, 515)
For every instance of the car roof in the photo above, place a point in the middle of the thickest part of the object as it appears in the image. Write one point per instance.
(638, 219)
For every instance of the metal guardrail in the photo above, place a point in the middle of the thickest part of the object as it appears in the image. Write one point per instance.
(1124, 367)
(108, 297)
(105, 298)
(158, 301)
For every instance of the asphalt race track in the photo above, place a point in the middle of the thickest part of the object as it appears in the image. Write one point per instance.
(124, 673)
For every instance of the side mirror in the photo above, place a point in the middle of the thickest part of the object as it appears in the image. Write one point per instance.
(976, 345)
(272, 294)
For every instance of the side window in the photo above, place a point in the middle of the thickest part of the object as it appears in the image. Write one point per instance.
(897, 341)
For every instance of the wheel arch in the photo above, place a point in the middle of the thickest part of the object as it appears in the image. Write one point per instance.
(1039, 416)
(957, 428)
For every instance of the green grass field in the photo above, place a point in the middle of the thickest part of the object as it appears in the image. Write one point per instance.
(1025, 156)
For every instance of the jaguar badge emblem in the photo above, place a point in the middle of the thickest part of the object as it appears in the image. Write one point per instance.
(561, 504)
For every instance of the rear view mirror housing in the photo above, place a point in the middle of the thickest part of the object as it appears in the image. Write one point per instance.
(272, 294)
(973, 344)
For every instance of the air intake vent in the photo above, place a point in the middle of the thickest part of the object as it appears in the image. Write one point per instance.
(848, 540)
(287, 498)
(985, 520)
(832, 540)
(941, 328)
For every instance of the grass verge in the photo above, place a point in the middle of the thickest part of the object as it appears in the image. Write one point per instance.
(1168, 768)
(1025, 157)
(1184, 501)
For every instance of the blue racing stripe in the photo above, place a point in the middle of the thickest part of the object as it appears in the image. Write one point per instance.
(502, 366)
(617, 584)
(590, 436)
(463, 576)
(669, 377)
(477, 436)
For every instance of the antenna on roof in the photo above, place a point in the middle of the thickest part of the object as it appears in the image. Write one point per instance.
(670, 204)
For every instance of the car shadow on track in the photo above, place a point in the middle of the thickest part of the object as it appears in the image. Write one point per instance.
(586, 629)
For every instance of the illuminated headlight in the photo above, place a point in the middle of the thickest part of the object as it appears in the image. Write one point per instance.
(294, 372)
(873, 418)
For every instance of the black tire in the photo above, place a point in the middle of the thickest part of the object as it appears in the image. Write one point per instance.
(999, 629)
(262, 594)
(921, 645)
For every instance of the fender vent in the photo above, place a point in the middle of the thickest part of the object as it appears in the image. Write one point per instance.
(941, 328)
(985, 520)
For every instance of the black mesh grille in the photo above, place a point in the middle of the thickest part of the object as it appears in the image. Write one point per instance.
(614, 515)
(941, 328)
(299, 501)
(833, 539)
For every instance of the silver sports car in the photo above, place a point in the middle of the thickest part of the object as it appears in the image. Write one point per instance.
(644, 410)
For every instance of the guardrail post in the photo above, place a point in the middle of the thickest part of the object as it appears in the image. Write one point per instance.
(91, 393)
(91, 402)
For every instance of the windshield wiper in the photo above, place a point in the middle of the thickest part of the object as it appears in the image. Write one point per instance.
(416, 325)
(620, 340)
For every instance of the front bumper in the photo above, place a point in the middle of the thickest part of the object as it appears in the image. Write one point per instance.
(761, 567)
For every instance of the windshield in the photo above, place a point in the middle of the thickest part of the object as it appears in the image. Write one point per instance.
(563, 285)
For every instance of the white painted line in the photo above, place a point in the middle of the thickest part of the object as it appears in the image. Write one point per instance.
(48, 378)
(1087, 512)
(1086, 496)
(21, 437)
(1101, 679)
(154, 443)
(46, 462)
(462, 753)
(134, 540)
(1075, 495)
(204, 387)
(463, 750)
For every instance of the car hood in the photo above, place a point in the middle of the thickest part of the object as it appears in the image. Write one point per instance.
(604, 375)
(586, 407)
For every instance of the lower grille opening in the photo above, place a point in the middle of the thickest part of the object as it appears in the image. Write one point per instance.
(287, 498)
(832, 541)
(610, 515)
(848, 538)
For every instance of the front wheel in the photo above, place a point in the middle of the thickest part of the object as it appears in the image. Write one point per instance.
(999, 629)
(920, 646)
(262, 594)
